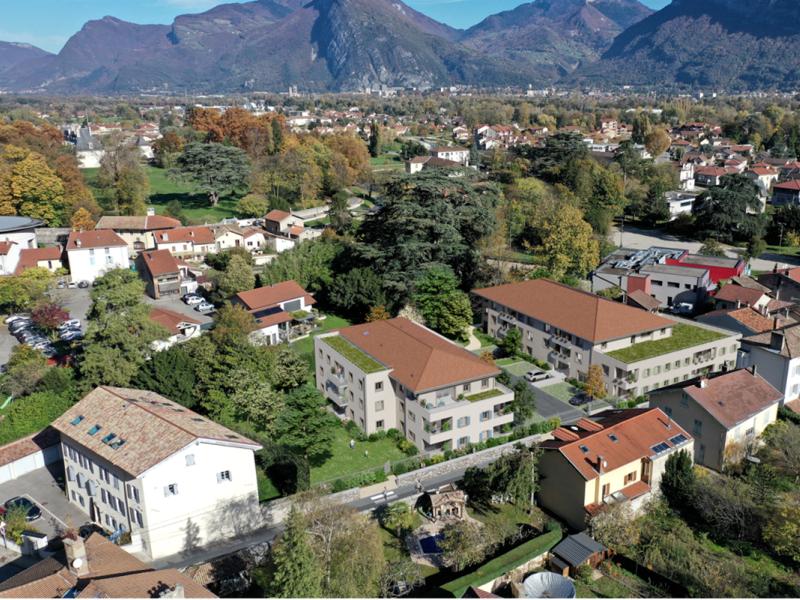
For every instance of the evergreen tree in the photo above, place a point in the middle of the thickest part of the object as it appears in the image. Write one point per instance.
(296, 573)
(374, 140)
(305, 426)
(677, 483)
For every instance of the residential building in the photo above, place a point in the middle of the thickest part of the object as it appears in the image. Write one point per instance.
(776, 356)
(41, 258)
(254, 239)
(423, 163)
(784, 283)
(736, 296)
(228, 236)
(284, 230)
(275, 307)
(764, 178)
(712, 176)
(187, 242)
(786, 193)
(138, 232)
(9, 257)
(181, 328)
(164, 275)
(92, 254)
(396, 374)
(745, 320)
(680, 203)
(454, 153)
(617, 456)
(139, 463)
(726, 413)
(19, 230)
(573, 330)
(98, 568)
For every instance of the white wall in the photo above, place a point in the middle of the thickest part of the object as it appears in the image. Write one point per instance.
(85, 265)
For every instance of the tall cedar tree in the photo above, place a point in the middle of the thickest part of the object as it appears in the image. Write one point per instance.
(215, 169)
(296, 572)
(305, 426)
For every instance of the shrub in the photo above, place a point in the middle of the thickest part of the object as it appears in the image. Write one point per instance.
(584, 574)
(31, 414)
(408, 448)
(377, 436)
(394, 434)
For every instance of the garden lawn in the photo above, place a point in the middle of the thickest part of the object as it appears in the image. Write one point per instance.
(387, 162)
(683, 336)
(563, 391)
(516, 367)
(346, 461)
(305, 347)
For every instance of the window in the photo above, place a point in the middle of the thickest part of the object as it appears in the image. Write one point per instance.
(379, 425)
(109, 438)
(467, 387)
(412, 417)
(463, 422)
(94, 429)
(77, 420)
(485, 383)
(613, 437)
(667, 367)
(698, 428)
(379, 406)
(463, 442)
(584, 449)
(486, 415)
(672, 284)
(133, 493)
(606, 490)
(677, 364)
(647, 372)
(668, 410)
(103, 496)
(630, 477)
(190, 460)
(684, 401)
(223, 476)
(171, 489)
(678, 439)
(378, 386)
(659, 448)
(136, 517)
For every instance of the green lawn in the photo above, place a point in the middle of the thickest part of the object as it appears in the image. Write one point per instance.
(563, 391)
(266, 489)
(683, 336)
(388, 162)
(485, 395)
(792, 251)
(485, 339)
(305, 347)
(346, 461)
(163, 190)
(515, 366)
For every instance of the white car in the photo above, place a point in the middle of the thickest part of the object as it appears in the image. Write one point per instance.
(204, 307)
(193, 300)
(534, 376)
(71, 324)
(14, 318)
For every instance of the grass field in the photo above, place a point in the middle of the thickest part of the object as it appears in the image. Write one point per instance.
(387, 162)
(163, 190)
(346, 461)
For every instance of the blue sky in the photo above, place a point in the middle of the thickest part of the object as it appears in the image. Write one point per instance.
(49, 23)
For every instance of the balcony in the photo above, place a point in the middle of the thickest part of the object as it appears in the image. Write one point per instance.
(335, 393)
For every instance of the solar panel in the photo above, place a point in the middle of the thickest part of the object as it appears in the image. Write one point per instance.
(678, 439)
(662, 447)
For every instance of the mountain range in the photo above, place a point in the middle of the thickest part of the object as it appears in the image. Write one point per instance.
(345, 45)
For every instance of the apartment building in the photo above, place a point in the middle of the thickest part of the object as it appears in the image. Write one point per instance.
(776, 356)
(726, 414)
(615, 457)
(138, 232)
(161, 274)
(396, 374)
(187, 242)
(137, 462)
(92, 254)
(638, 351)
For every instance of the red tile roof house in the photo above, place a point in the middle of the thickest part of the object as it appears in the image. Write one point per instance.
(181, 328)
(617, 456)
(786, 193)
(274, 308)
(187, 242)
(726, 414)
(91, 254)
(164, 275)
(138, 232)
(43, 258)
(283, 229)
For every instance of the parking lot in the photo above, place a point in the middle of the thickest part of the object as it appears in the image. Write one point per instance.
(175, 304)
(42, 487)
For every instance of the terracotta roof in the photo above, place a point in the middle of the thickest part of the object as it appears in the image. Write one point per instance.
(775, 305)
(160, 262)
(48, 578)
(585, 315)
(713, 171)
(274, 319)
(633, 491)
(749, 282)
(266, 297)
(296, 230)
(791, 186)
(750, 318)
(251, 231)
(152, 427)
(419, 358)
(277, 215)
(734, 397)
(104, 238)
(149, 584)
(636, 431)
(171, 320)
(30, 257)
(644, 300)
(148, 223)
(737, 293)
(28, 445)
(762, 171)
(5, 247)
(194, 235)
(793, 405)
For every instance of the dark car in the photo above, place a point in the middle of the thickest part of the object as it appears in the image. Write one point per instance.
(83, 285)
(580, 399)
(33, 511)
(88, 529)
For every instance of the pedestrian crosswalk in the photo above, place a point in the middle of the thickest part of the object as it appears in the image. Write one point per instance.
(384, 497)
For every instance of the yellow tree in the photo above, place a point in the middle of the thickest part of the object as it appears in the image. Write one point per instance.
(595, 383)
(82, 220)
(657, 142)
(568, 243)
(36, 189)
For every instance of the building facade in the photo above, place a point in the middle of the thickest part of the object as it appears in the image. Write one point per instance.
(274, 308)
(92, 254)
(399, 375)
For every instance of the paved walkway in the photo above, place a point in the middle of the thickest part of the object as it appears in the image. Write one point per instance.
(474, 343)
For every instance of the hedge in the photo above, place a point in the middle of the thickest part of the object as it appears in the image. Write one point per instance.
(504, 563)
(30, 414)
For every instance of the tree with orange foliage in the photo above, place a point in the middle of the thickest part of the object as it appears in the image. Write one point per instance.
(82, 220)
(208, 121)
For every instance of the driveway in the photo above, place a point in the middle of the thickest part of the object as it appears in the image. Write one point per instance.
(75, 301)
(42, 486)
(642, 239)
(175, 304)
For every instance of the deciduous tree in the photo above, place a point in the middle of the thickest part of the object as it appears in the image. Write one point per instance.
(237, 277)
(463, 545)
(568, 244)
(444, 307)
(82, 220)
(595, 383)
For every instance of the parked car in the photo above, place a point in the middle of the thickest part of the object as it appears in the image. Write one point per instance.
(580, 399)
(204, 307)
(20, 326)
(71, 336)
(49, 352)
(534, 376)
(683, 308)
(83, 285)
(192, 300)
(15, 318)
(33, 511)
(71, 324)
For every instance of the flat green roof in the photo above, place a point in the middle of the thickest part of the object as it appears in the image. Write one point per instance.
(360, 359)
(683, 336)
(493, 393)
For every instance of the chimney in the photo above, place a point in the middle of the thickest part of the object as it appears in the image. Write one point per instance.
(77, 561)
(776, 340)
(176, 592)
(703, 383)
(78, 243)
(754, 370)
(602, 464)
(151, 211)
(775, 322)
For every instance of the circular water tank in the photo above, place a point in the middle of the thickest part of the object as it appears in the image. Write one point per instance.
(548, 585)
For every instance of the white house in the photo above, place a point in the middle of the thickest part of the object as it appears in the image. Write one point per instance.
(680, 203)
(275, 307)
(139, 463)
(92, 254)
(9, 257)
(454, 153)
(20, 230)
(776, 356)
(187, 242)
(181, 328)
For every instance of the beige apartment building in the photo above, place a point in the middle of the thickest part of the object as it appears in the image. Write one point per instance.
(726, 414)
(617, 456)
(572, 330)
(397, 374)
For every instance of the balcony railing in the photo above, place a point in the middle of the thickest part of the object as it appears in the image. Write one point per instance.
(335, 393)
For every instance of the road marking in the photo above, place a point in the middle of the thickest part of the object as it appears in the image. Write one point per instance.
(383, 497)
(44, 508)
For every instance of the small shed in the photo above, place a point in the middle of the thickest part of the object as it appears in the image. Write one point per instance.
(446, 502)
(574, 551)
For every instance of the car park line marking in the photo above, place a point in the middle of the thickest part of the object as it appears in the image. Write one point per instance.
(44, 508)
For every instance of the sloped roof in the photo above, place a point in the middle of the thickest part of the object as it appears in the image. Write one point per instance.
(153, 428)
(103, 238)
(737, 293)
(277, 215)
(28, 445)
(790, 344)
(149, 584)
(644, 300)
(636, 431)
(30, 257)
(171, 320)
(266, 297)
(419, 358)
(194, 235)
(750, 318)
(734, 397)
(791, 186)
(578, 548)
(160, 262)
(5, 247)
(585, 315)
(147, 223)
(749, 282)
